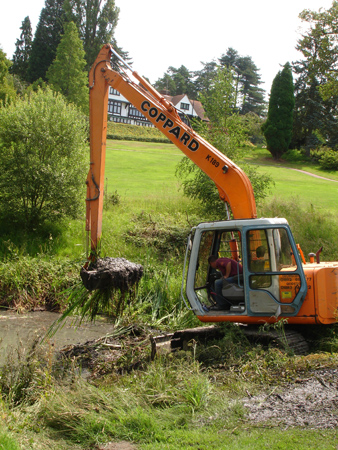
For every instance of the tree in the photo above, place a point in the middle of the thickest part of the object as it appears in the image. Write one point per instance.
(23, 50)
(203, 78)
(67, 73)
(46, 39)
(177, 81)
(7, 91)
(96, 21)
(249, 96)
(278, 127)
(43, 149)
(316, 86)
(225, 132)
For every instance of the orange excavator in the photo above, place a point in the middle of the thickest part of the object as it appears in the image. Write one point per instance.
(276, 282)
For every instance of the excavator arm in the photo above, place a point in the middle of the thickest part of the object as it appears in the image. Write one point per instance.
(233, 185)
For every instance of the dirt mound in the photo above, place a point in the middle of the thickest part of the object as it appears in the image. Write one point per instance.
(312, 403)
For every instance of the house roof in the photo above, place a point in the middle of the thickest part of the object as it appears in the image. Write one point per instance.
(197, 106)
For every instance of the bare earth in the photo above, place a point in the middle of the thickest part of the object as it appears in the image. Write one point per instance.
(311, 402)
(118, 446)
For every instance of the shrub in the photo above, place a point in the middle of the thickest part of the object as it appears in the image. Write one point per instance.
(329, 160)
(43, 155)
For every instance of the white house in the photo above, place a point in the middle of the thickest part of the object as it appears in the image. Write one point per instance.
(122, 111)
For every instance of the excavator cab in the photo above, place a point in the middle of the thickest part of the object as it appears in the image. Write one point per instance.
(272, 284)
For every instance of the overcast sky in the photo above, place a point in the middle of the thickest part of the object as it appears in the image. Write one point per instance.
(158, 34)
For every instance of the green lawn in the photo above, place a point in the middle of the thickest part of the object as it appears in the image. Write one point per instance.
(143, 170)
(289, 183)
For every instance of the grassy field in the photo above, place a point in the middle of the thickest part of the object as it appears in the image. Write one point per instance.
(138, 170)
(290, 182)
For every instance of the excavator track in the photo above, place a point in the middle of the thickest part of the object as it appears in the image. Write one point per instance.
(287, 339)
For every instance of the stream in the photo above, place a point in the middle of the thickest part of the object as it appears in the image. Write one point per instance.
(20, 330)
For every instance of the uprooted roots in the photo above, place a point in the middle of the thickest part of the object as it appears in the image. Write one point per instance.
(115, 273)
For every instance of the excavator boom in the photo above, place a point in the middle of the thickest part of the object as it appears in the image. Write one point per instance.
(233, 185)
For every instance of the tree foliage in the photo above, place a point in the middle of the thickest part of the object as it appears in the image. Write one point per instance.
(7, 91)
(249, 96)
(23, 48)
(316, 86)
(96, 21)
(278, 127)
(177, 81)
(67, 73)
(46, 39)
(43, 153)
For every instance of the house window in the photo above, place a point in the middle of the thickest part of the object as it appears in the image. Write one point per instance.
(133, 112)
(185, 106)
(114, 107)
(113, 91)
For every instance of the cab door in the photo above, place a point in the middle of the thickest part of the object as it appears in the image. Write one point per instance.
(274, 278)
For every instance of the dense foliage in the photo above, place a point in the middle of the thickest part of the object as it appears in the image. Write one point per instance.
(7, 91)
(43, 154)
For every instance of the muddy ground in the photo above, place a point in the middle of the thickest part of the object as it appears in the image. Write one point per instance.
(310, 401)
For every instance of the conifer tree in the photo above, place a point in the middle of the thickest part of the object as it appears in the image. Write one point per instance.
(249, 96)
(23, 50)
(278, 127)
(67, 73)
(46, 39)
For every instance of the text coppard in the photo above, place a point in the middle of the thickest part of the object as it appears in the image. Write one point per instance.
(168, 124)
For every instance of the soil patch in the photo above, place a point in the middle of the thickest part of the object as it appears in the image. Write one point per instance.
(118, 446)
(310, 402)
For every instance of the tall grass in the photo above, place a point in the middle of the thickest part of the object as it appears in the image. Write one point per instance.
(312, 227)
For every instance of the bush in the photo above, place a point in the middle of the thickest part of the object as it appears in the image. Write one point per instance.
(326, 157)
(316, 154)
(294, 156)
(329, 160)
(43, 155)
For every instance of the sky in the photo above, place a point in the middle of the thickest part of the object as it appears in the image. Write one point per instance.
(160, 34)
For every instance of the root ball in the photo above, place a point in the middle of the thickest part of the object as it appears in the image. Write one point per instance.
(111, 273)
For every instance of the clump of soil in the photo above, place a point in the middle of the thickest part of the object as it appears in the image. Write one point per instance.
(115, 273)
